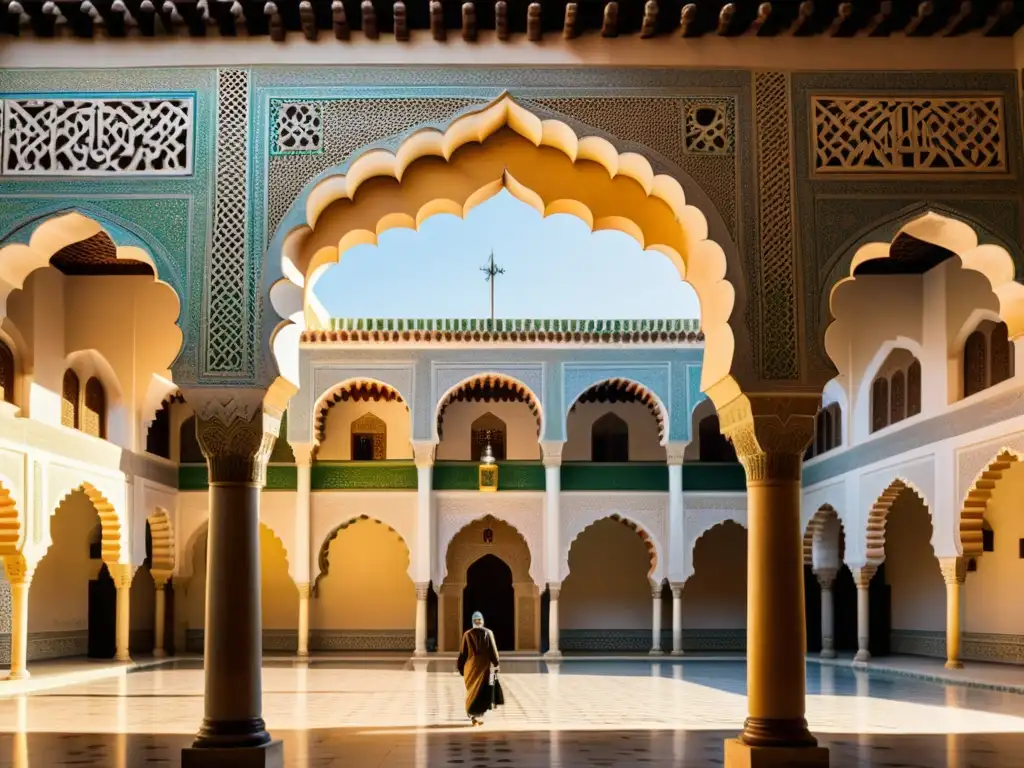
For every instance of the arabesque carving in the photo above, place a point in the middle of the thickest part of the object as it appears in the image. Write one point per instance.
(770, 434)
(235, 434)
(908, 135)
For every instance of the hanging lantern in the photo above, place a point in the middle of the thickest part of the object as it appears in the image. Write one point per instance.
(488, 473)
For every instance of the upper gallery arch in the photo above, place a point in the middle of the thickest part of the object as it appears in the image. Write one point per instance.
(544, 163)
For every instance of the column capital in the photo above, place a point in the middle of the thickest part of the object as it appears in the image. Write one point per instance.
(18, 569)
(236, 432)
(554, 589)
(422, 590)
(160, 579)
(674, 450)
(303, 453)
(770, 433)
(551, 452)
(656, 590)
(677, 589)
(122, 574)
(954, 569)
(423, 452)
(304, 590)
(825, 577)
(863, 575)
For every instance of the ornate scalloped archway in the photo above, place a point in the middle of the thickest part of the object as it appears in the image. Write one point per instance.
(632, 391)
(975, 505)
(502, 146)
(650, 543)
(323, 557)
(355, 389)
(110, 521)
(497, 382)
(161, 535)
(10, 520)
(825, 522)
(875, 530)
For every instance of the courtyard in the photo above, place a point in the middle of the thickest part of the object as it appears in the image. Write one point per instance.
(580, 712)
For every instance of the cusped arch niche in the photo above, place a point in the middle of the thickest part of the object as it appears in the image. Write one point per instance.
(655, 573)
(324, 560)
(544, 163)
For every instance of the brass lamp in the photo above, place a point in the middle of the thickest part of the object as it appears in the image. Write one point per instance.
(488, 472)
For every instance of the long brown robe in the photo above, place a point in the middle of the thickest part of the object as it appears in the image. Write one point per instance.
(478, 653)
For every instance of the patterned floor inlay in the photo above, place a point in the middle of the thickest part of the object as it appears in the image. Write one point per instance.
(578, 715)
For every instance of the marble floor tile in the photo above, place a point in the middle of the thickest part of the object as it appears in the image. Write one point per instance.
(409, 714)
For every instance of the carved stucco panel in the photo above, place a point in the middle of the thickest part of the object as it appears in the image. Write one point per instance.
(649, 511)
(521, 510)
(703, 511)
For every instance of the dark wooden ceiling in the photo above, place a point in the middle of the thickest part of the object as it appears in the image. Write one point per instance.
(341, 19)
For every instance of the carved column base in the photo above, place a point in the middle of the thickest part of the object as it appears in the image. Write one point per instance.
(269, 755)
(862, 656)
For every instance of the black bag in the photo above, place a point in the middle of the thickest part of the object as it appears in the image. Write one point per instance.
(498, 694)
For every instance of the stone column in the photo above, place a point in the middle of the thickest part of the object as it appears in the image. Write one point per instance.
(954, 573)
(826, 576)
(552, 457)
(236, 432)
(674, 457)
(862, 578)
(770, 435)
(19, 573)
(677, 619)
(656, 620)
(159, 617)
(302, 651)
(301, 566)
(554, 645)
(422, 590)
(122, 573)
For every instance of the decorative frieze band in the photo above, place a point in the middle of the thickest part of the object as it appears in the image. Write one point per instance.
(148, 136)
(908, 135)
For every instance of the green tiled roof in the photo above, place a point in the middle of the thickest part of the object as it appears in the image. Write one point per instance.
(514, 325)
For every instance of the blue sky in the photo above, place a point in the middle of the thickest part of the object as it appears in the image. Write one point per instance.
(555, 267)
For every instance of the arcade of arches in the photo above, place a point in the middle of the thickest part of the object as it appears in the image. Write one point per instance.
(832, 471)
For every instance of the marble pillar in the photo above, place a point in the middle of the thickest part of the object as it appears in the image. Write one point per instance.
(303, 634)
(954, 573)
(554, 646)
(19, 574)
(122, 574)
(677, 619)
(159, 617)
(862, 578)
(656, 620)
(301, 568)
(826, 577)
(770, 434)
(236, 435)
(422, 591)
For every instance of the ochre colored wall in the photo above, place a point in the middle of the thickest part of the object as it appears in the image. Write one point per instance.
(280, 596)
(367, 585)
(715, 596)
(912, 572)
(607, 586)
(337, 443)
(643, 431)
(991, 603)
(59, 596)
(521, 439)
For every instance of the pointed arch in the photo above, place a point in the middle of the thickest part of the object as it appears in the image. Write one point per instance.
(609, 438)
(652, 208)
(488, 429)
(323, 557)
(457, 559)
(70, 398)
(975, 504)
(879, 512)
(94, 409)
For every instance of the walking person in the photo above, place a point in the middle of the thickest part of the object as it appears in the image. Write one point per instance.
(479, 652)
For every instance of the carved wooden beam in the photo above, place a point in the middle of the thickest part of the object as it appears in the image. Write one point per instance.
(570, 27)
(803, 15)
(957, 19)
(437, 29)
(843, 13)
(277, 29)
(469, 22)
(307, 19)
(339, 21)
(610, 25)
(764, 10)
(401, 19)
(502, 29)
(534, 26)
(687, 18)
(369, 14)
(924, 10)
(650, 22)
(1004, 10)
(880, 20)
(725, 17)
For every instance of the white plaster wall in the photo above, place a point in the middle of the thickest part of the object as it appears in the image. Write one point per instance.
(715, 596)
(643, 431)
(337, 442)
(607, 586)
(990, 597)
(367, 585)
(521, 437)
(918, 592)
